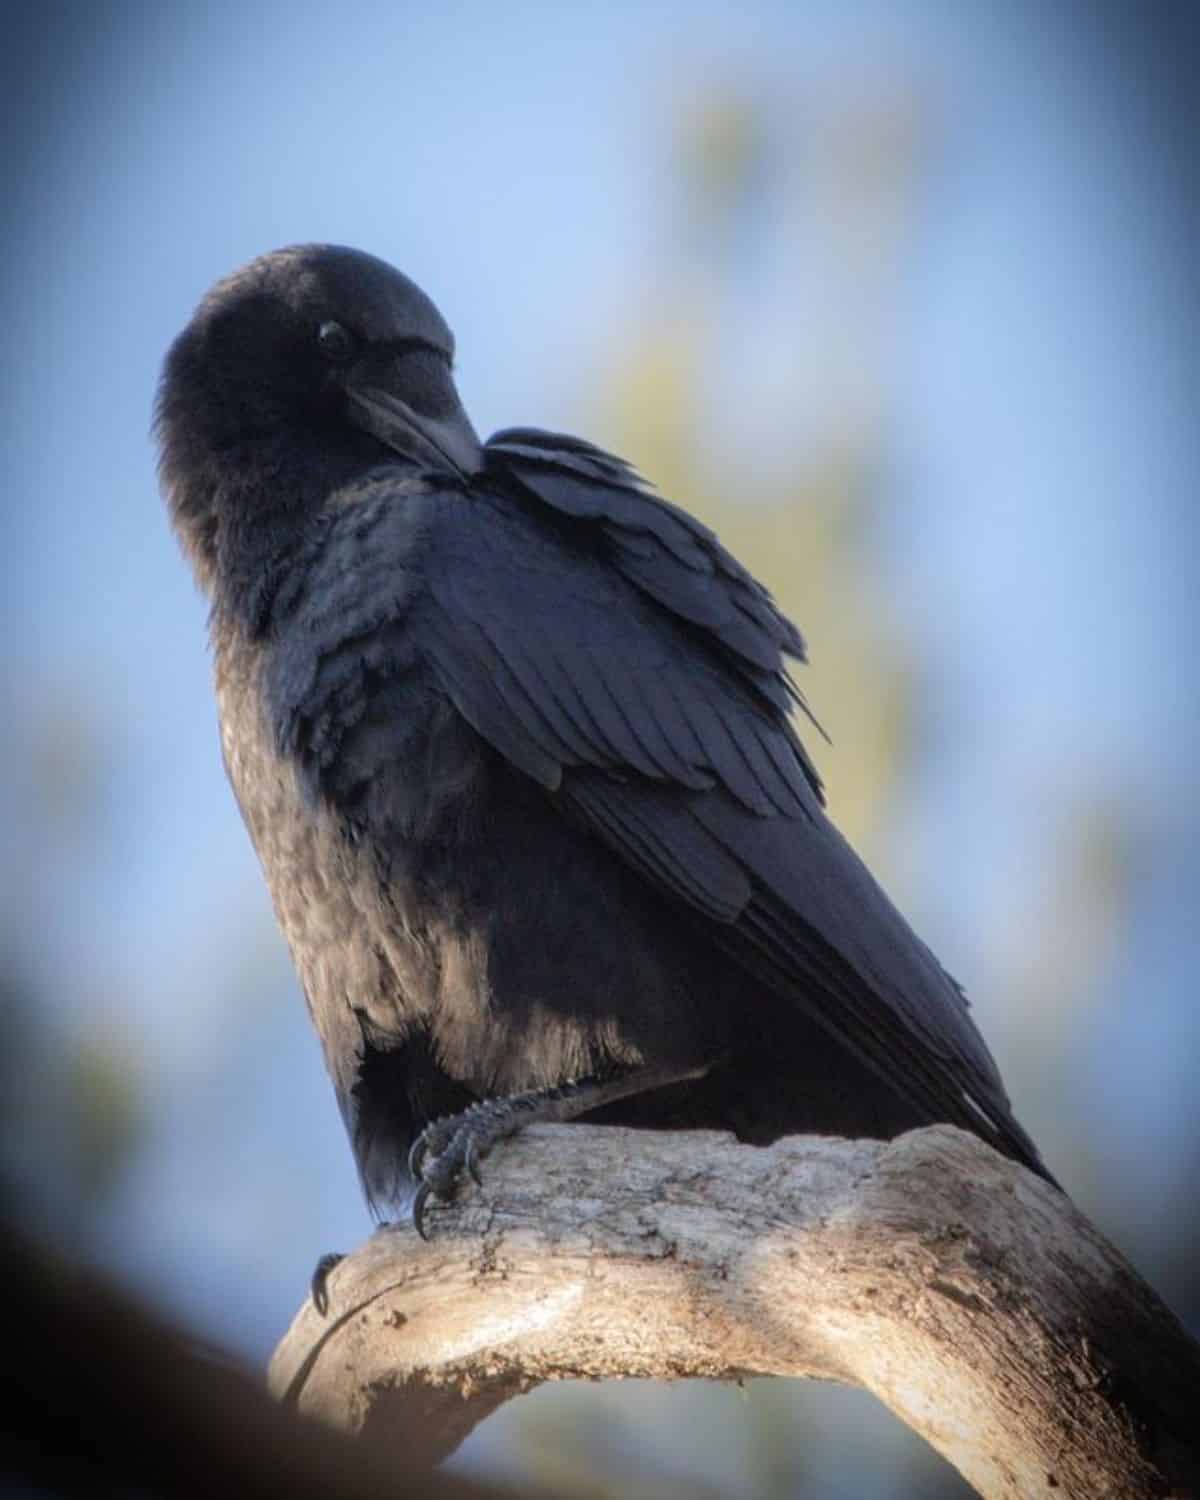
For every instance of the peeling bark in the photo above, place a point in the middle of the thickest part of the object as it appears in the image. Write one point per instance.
(971, 1297)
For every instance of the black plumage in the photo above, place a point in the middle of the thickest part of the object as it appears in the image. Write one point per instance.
(513, 738)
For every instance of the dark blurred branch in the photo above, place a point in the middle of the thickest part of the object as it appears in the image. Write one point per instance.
(969, 1296)
(98, 1396)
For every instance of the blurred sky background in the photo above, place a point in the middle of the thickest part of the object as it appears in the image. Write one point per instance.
(902, 298)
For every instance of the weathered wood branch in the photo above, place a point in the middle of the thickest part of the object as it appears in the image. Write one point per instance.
(970, 1297)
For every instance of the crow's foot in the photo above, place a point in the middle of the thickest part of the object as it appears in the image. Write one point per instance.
(448, 1147)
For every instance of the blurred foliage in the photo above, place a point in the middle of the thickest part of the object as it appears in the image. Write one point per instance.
(799, 525)
(72, 1091)
(101, 1078)
(721, 149)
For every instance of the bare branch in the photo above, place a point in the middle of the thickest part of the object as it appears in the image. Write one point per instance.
(970, 1297)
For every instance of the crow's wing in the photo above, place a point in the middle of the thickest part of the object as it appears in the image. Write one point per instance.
(604, 642)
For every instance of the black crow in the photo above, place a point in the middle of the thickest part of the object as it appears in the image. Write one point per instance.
(513, 739)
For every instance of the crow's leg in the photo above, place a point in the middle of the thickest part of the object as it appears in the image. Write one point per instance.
(446, 1148)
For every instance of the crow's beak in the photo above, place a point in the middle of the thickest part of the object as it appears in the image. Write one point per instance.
(435, 442)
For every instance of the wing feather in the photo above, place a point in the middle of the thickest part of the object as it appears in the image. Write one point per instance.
(606, 644)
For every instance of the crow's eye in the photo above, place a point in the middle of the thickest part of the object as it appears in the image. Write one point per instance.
(335, 343)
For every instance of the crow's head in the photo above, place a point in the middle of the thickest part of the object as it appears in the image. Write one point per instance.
(303, 368)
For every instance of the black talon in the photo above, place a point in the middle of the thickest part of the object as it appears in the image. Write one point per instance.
(449, 1147)
(319, 1285)
(438, 1163)
(420, 1198)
